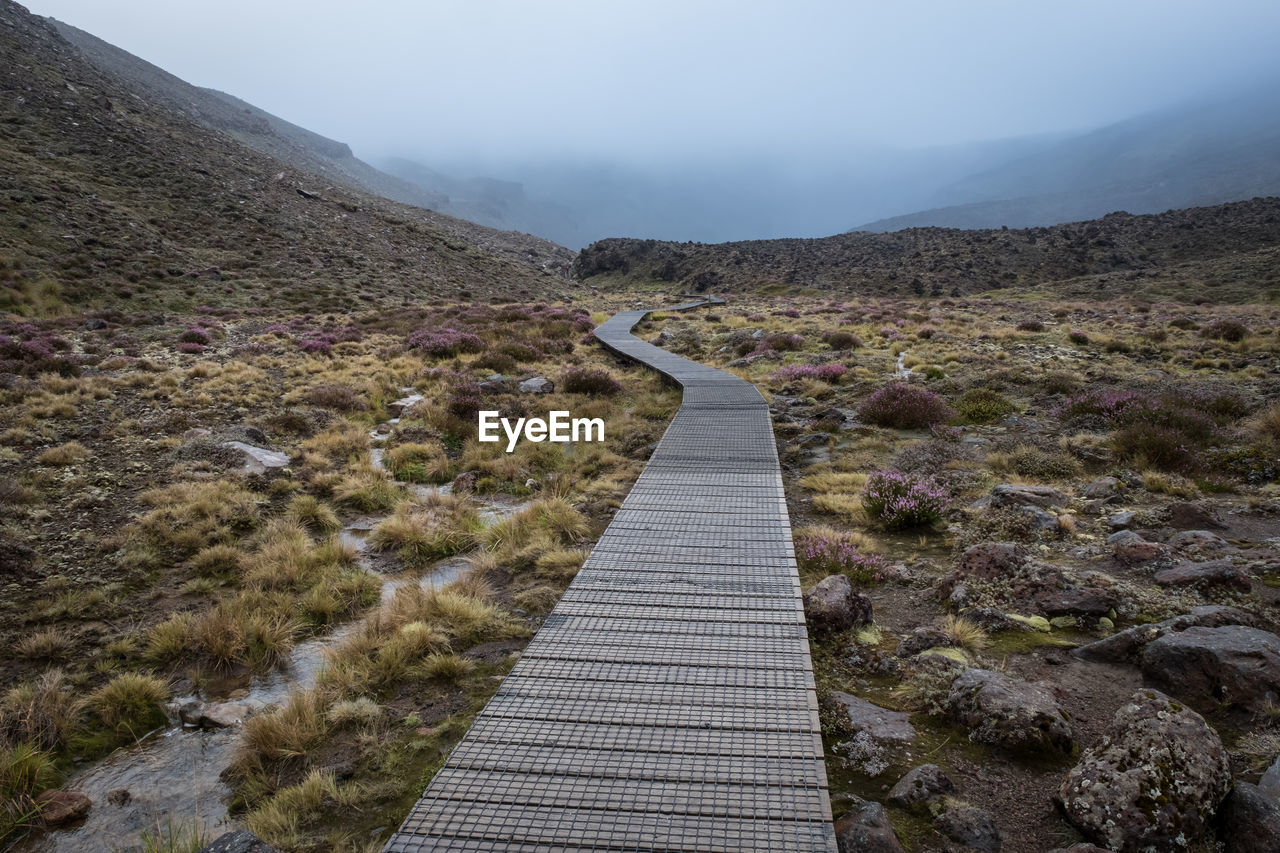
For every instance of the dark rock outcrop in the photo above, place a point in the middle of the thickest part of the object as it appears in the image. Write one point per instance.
(866, 829)
(1232, 664)
(832, 605)
(1012, 714)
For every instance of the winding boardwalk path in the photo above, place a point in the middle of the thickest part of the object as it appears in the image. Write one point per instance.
(668, 702)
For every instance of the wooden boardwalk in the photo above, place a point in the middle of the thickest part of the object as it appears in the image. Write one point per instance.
(668, 702)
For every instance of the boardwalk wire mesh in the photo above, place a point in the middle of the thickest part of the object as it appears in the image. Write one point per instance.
(668, 701)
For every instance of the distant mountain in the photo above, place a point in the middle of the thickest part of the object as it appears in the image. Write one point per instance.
(1199, 154)
(1227, 253)
(112, 193)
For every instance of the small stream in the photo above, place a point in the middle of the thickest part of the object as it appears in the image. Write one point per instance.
(900, 369)
(172, 776)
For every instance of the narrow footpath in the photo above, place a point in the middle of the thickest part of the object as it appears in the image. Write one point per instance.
(667, 703)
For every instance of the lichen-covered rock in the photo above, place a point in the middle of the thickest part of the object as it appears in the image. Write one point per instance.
(1215, 573)
(972, 827)
(1155, 780)
(1011, 494)
(866, 829)
(832, 605)
(882, 724)
(1129, 547)
(1127, 645)
(1232, 664)
(1077, 601)
(1012, 714)
(1200, 544)
(1250, 820)
(920, 788)
(58, 808)
(990, 560)
(920, 639)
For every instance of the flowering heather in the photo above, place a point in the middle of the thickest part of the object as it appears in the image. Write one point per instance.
(898, 500)
(821, 372)
(1224, 330)
(890, 333)
(788, 312)
(191, 347)
(196, 335)
(1078, 337)
(445, 342)
(317, 344)
(829, 556)
(464, 398)
(904, 406)
(31, 351)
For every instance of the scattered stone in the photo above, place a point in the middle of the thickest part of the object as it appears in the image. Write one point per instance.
(1154, 781)
(119, 796)
(224, 715)
(397, 408)
(1103, 488)
(537, 385)
(1077, 601)
(94, 324)
(990, 560)
(974, 828)
(1121, 520)
(832, 605)
(1038, 518)
(1233, 664)
(466, 481)
(258, 459)
(1012, 714)
(866, 829)
(1250, 820)
(1200, 544)
(58, 808)
(920, 639)
(1129, 547)
(1010, 494)
(1215, 573)
(196, 432)
(240, 841)
(1191, 515)
(881, 724)
(921, 788)
(254, 434)
(1127, 646)
(993, 620)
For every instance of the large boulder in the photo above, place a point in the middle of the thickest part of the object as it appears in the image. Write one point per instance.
(865, 828)
(1154, 781)
(1009, 713)
(1127, 646)
(1233, 664)
(1250, 820)
(537, 385)
(1190, 515)
(832, 605)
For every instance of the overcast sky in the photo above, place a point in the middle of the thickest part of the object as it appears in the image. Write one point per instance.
(690, 78)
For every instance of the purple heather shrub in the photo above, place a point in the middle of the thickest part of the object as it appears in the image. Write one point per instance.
(588, 380)
(890, 333)
(828, 555)
(904, 406)
(445, 342)
(191, 347)
(1077, 337)
(464, 398)
(841, 340)
(821, 372)
(277, 329)
(788, 312)
(926, 332)
(1224, 330)
(942, 432)
(196, 335)
(317, 344)
(780, 343)
(756, 317)
(898, 500)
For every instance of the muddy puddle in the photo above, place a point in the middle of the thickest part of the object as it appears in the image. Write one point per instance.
(170, 780)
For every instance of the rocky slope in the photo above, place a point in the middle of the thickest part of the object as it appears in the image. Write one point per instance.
(1225, 253)
(108, 196)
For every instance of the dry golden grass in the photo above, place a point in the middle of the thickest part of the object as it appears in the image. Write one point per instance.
(71, 453)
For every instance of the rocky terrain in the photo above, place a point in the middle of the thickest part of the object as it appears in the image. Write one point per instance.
(1040, 544)
(109, 197)
(1226, 253)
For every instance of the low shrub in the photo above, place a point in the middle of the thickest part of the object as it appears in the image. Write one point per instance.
(821, 372)
(781, 343)
(1030, 326)
(828, 555)
(1158, 446)
(982, 406)
(1231, 331)
(589, 380)
(1078, 337)
(341, 398)
(445, 342)
(897, 499)
(904, 406)
(841, 340)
